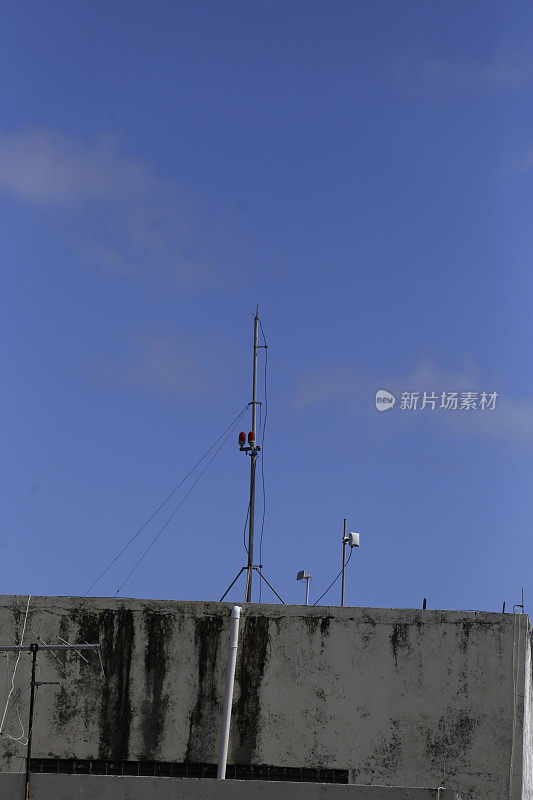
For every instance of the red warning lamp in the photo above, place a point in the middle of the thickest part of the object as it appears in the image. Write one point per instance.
(242, 439)
(251, 438)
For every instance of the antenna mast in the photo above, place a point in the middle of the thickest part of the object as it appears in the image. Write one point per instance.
(254, 450)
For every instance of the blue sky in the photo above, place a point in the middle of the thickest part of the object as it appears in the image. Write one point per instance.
(363, 172)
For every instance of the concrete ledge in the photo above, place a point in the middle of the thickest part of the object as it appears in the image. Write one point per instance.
(105, 787)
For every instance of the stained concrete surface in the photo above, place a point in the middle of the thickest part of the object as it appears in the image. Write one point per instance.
(398, 697)
(74, 787)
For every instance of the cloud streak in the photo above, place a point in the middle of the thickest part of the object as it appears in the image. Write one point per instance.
(117, 212)
(162, 364)
(413, 72)
(512, 419)
(45, 167)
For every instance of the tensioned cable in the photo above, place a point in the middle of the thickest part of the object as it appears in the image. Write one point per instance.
(244, 529)
(334, 581)
(158, 534)
(164, 502)
(263, 454)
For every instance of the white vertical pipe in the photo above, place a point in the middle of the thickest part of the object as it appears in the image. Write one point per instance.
(228, 696)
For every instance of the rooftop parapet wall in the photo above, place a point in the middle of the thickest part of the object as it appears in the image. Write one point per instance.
(404, 698)
(73, 787)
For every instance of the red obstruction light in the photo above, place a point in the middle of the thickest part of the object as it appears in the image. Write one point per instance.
(251, 438)
(242, 438)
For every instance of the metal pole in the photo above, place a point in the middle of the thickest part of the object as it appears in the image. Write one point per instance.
(343, 562)
(253, 458)
(228, 696)
(307, 591)
(231, 584)
(268, 584)
(34, 649)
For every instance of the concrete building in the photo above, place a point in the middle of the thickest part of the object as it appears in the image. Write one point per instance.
(323, 695)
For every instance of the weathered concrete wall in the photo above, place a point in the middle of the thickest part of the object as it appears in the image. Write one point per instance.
(73, 787)
(523, 642)
(405, 698)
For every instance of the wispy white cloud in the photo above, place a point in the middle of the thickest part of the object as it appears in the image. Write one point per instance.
(350, 384)
(118, 213)
(511, 421)
(334, 383)
(46, 167)
(162, 364)
(414, 71)
(526, 162)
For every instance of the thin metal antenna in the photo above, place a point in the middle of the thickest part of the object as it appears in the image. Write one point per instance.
(34, 649)
(344, 540)
(254, 449)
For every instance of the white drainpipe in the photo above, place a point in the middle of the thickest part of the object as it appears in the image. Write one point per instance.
(228, 697)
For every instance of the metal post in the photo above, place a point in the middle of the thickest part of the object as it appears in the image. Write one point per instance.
(231, 584)
(268, 583)
(228, 695)
(343, 562)
(253, 458)
(308, 578)
(34, 649)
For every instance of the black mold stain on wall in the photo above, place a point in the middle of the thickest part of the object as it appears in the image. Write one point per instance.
(65, 709)
(466, 629)
(324, 632)
(18, 616)
(452, 739)
(158, 630)
(386, 758)
(84, 675)
(253, 650)
(205, 716)
(117, 640)
(399, 640)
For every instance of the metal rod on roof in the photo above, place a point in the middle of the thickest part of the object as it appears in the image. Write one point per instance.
(253, 459)
(34, 649)
(344, 540)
